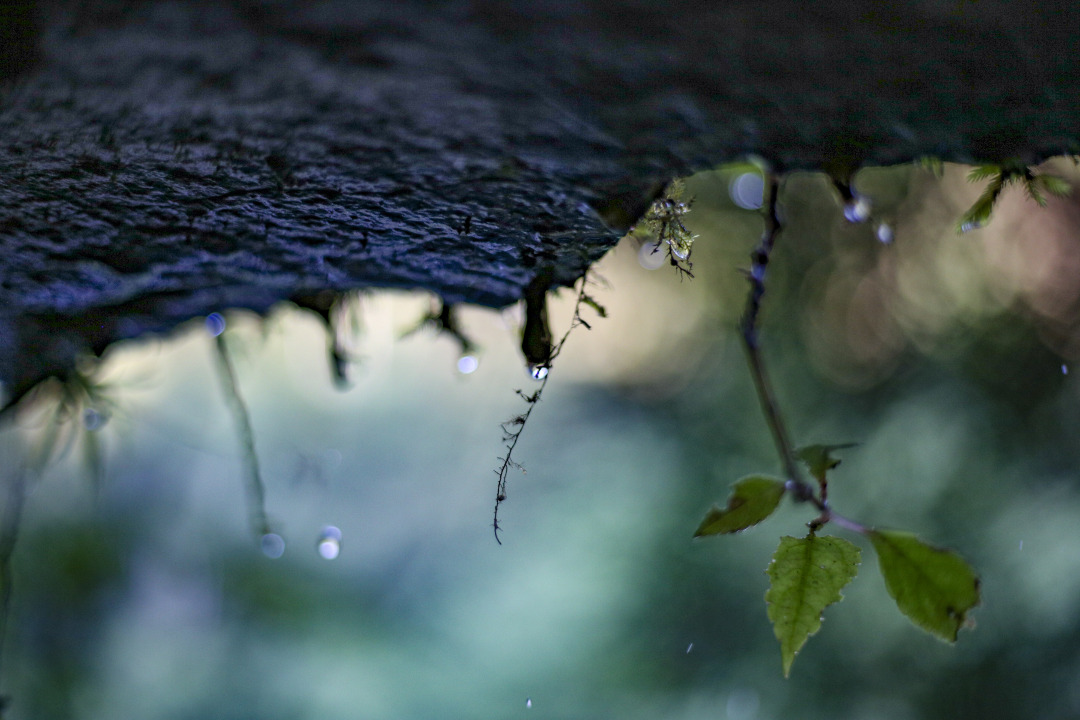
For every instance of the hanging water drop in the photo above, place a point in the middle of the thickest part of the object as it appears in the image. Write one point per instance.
(857, 210)
(970, 225)
(884, 234)
(273, 545)
(467, 364)
(538, 372)
(680, 251)
(747, 190)
(93, 419)
(329, 545)
(215, 324)
(528, 702)
(651, 255)
(1064, 369)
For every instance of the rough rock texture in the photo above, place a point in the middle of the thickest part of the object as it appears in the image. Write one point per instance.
(163, 159)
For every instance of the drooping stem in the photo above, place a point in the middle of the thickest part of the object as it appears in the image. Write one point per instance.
(513, 428)
(802, 490)
(255, 489)
(758, 270)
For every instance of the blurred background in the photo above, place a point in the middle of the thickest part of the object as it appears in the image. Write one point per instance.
(151, 579)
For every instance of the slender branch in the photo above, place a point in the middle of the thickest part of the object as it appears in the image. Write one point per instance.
(255, 489)
(758, 269)
(802, 490)
(513, 428)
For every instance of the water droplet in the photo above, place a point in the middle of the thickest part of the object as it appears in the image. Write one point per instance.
(329, 545)
(969, 226)
(528, 702)
(651, 256)
(94, 420)
(857, 210)
(1064, 369)
(680, 251)
(884, 233)
(1021, 544)
(467, 364)
(689, 648)
(215, 324)
(747, 190)
(273, 545)
(538, 372)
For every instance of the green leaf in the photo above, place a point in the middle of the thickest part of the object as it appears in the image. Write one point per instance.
(819, 459)
(752, 499)
(934, 587)
(807, 576)
(1054, 184)
(979, 213)
(931, 164)
(984, 172)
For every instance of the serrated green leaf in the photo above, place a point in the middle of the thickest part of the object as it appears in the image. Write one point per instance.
(807, 575)
(752, 499)
(984, 172)
(1034, 193)
(934, 587)
(1054, 184)
(979, 213)
(819, 459)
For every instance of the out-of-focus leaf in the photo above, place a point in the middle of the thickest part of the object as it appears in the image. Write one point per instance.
(1054, 184)
(752, 499)
(1034, 193)
(934, 587)
(931, 164)
(979, 213)
(806, 576)
(984, 172)
(819, 459)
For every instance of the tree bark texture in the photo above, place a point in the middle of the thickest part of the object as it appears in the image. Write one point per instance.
(164, 159)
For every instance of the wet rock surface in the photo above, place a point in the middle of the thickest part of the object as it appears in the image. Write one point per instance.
(161, 160)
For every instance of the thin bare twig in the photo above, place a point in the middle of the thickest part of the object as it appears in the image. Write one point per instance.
(255, 489)
(513, 427)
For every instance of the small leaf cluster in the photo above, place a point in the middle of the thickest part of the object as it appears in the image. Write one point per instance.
(935, 588)
(1037, 187)
(663, 221)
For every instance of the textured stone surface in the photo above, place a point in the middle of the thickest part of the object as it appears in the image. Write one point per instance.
(159, 160)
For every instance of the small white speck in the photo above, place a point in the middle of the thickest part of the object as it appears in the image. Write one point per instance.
(528, 702)
(689, 648)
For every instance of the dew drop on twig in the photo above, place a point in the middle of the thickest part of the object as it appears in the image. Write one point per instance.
(273, 545)
(215, 324)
